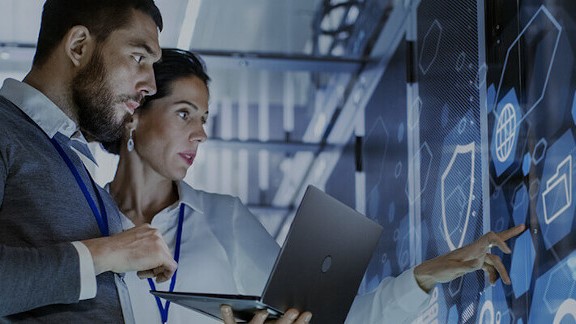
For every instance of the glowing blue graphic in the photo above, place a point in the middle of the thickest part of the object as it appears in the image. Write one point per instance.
(566, 311)
(505, 133)
(557, 196)
(402, 238)
(555, 208)
(376, 148)
(522, 264)
(526, 164)
(423, 160)
(453, 315)
(554, 295)
(456, 190)
(539, 151)
(481, 75)
(455, 286)
(548, 30)
(520, 204)
(460, 61)
(500, 218)
(430, 46)
(494, 310)
(490, 98)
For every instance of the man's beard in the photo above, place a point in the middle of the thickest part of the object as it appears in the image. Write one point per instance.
(95, 101)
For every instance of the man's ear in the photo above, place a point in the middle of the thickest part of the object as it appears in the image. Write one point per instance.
(79, 45)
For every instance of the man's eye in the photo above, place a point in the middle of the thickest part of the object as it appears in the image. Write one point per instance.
(183, 114)
(138, 58)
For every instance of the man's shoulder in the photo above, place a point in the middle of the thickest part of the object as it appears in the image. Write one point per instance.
(9, 112)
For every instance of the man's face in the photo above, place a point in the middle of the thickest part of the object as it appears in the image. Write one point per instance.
(120, 73)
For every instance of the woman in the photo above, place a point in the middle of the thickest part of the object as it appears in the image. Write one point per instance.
(220, 244)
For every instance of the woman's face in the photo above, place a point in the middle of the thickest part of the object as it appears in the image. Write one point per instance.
(169, 131)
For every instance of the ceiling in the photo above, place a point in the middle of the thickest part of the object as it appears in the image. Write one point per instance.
(281, 71)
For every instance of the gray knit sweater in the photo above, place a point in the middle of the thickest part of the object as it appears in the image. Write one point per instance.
(42, 210)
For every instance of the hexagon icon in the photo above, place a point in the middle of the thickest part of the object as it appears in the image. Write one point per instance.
(540, 37)
(430, 46)
(554, 296)
(522, 264)
(555, 206)
(520, 204)
(505, 133)
(526, 163)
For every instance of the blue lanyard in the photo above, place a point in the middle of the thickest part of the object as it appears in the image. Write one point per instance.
(101, 218)
(164, 308)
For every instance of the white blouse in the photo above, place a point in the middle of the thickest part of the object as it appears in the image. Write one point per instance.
(225, 249)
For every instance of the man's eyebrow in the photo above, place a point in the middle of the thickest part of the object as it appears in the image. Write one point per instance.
(146, 47)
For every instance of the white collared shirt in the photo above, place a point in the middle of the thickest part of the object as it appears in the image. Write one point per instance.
(224, 249)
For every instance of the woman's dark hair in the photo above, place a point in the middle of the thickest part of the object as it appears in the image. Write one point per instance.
(175, 64)
(101, 17)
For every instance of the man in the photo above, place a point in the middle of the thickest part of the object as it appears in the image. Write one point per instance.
(62, 248)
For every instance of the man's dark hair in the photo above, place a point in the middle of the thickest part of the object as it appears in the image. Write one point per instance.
(101, 17)
(175, 64)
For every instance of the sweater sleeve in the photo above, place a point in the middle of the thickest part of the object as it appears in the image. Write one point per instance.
(35, 277)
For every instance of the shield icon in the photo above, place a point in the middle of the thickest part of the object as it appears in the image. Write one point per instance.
(457, 188)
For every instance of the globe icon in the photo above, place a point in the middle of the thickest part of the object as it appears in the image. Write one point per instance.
(505, 132)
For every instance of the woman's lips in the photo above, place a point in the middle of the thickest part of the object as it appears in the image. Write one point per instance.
(188, 157)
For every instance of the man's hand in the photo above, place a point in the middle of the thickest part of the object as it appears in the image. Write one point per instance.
(467, 259)
(292, 316)
(141, 249)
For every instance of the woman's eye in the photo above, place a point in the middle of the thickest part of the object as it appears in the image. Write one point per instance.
(138, 58)
(183, 114)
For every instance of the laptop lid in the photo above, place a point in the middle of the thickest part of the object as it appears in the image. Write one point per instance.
(319, 268)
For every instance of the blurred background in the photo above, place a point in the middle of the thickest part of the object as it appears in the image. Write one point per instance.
(441, 120)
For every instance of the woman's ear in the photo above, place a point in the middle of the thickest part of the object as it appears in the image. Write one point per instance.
(79, 45)
(132, 122)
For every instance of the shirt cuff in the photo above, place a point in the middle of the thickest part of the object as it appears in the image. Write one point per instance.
(407, 292)
(87, 273)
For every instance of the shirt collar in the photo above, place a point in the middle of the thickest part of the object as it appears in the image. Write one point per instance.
(40, 109)
(190, 197)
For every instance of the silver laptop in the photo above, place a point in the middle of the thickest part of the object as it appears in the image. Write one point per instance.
(319, 268)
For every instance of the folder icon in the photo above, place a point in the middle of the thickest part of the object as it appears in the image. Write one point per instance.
(557, 197)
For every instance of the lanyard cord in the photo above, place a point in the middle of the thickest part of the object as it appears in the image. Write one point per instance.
(164, 309)
(101, 218)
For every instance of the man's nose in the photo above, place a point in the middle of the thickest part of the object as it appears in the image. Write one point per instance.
(147, 86)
